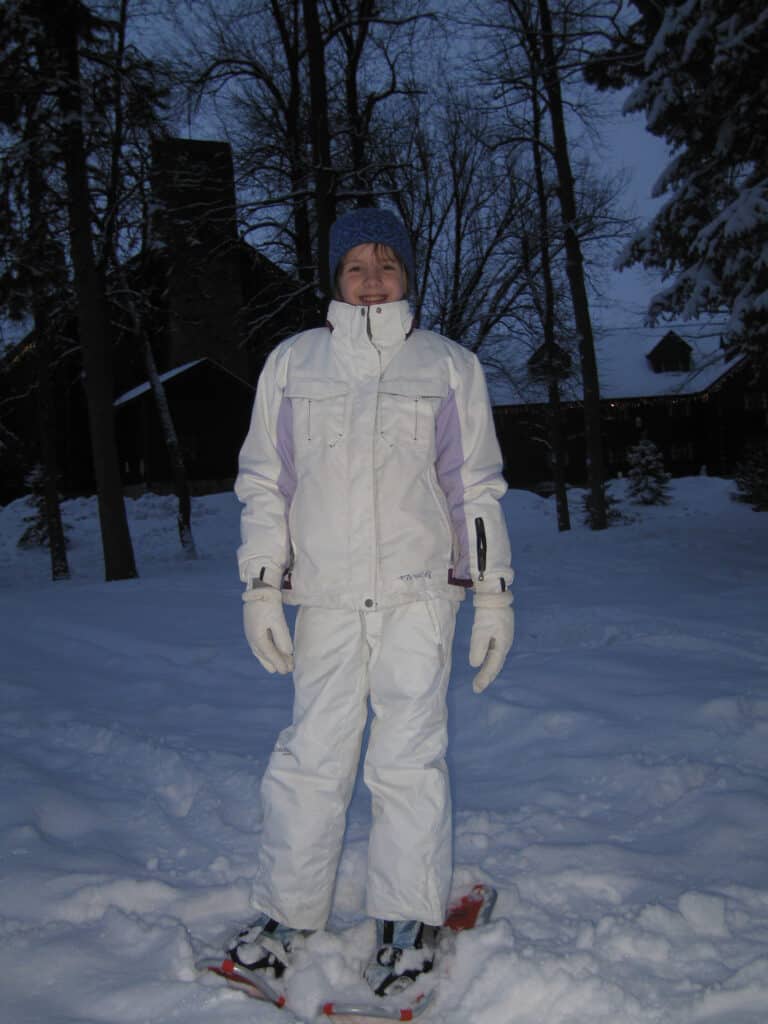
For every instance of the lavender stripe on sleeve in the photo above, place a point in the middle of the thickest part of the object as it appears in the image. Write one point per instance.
(286, 481)
(448, 464)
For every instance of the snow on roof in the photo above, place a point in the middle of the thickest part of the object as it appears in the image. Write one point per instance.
(623, 367)
(143, 388)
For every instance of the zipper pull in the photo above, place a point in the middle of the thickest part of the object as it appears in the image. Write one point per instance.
(482, 547)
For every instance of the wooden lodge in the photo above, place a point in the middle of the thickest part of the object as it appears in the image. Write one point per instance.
(679, 388)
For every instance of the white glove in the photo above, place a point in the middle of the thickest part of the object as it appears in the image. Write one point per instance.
(266, 629)
(493, 632)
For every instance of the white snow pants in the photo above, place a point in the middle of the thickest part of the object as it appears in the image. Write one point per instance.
(400, 658)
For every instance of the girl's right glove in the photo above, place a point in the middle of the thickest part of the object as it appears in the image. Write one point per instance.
(266, 629)
(493, 632)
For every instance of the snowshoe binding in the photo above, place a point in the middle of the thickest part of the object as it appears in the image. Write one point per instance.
(404, 951)
(264, 945)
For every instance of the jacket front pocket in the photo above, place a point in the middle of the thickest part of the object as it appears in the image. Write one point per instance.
(319, 411)
(407, 410)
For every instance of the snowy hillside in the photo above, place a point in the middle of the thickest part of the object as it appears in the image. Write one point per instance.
(613, 783)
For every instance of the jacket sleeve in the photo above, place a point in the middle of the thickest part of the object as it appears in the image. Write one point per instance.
(469, 470)
(266, 479)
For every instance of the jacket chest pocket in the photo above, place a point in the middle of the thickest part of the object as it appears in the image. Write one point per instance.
(407, 411)
(319, 411)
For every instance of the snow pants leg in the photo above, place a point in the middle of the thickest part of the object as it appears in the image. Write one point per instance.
(409, 852)
(400, 658)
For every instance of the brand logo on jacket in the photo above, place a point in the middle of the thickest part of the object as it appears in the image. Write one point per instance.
(411, 577)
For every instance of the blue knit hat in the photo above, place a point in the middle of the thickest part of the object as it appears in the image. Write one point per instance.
(370, 224)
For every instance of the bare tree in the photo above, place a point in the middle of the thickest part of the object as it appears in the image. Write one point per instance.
(462, 199)
(71, 21)
(324, 188)
(534, 60)
(545, 300)
(598, 517)
(244, 64)
(131, 73)
(301, 88)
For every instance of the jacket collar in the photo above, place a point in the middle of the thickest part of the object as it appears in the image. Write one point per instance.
(385, 326)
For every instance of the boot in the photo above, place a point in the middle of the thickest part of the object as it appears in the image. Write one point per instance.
(264, 945)
(404, 950)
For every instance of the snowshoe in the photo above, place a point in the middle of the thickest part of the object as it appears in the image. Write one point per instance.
(472, 910)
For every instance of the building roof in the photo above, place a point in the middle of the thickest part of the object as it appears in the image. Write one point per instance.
(142, 389)
(177, 371)
(624, 369)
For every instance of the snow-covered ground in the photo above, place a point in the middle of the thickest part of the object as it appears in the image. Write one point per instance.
(613, 783)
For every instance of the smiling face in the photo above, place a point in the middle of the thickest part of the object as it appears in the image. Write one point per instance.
(370, 275)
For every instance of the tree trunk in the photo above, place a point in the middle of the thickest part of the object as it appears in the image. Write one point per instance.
(175, 458)
(287, 19)
(557, 440)
(305, 263)
(57, 545)
(173, 448)
(325, 205)
(167, 426)
(170, 437)
(359, 130)
(92, 314)
(554, 410)
(575, 270)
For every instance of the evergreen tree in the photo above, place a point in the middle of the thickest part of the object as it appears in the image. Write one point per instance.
(648, 480)
(613, 512)
(752, 477)
(698, 74)
(42, 52)
(11, 464)
(37, 532)
(78, 106)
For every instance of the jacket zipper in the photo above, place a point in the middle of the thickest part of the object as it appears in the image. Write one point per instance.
(482, 547)
(375, 595)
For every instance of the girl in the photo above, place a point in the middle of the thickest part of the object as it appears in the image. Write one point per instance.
(371, 480)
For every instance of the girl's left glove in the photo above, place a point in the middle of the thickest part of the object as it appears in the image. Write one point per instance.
(266, 629)
(493, 632)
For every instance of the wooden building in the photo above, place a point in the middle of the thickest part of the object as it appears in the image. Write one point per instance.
(211, 409)
(212, 307)
(679, 388)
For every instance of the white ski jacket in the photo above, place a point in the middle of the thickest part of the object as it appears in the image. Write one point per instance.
(371, 474)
